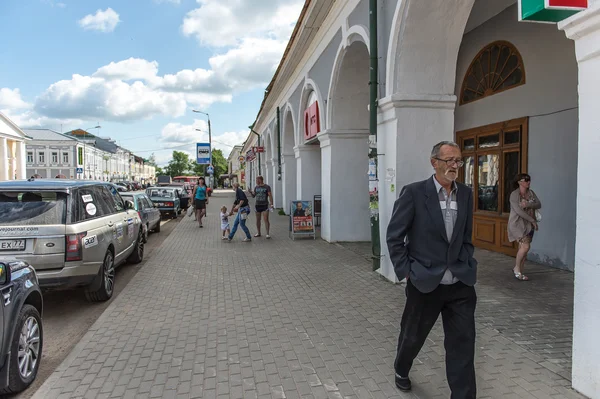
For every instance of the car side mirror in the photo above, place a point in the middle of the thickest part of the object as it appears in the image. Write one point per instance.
(4, 273)
(129, 205)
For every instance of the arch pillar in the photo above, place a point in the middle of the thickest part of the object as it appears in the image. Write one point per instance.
(289, 176)
(276, 185)
(409, 126)
(584, 29)
(308, 171)
(345, 185)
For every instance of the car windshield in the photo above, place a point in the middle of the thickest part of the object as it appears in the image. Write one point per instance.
(32, 208)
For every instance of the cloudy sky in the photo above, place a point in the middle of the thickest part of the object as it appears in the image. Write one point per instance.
(137, 68)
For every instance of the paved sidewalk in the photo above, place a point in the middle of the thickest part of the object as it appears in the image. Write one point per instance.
(303, 319)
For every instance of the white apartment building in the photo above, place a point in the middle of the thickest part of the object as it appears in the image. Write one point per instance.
(12, 150)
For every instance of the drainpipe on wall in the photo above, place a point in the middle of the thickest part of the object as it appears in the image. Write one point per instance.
(373, 105)
(278, 144)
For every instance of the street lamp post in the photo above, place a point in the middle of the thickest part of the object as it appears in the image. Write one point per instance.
(209, 134)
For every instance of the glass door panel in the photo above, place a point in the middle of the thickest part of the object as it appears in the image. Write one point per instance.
(488, 170)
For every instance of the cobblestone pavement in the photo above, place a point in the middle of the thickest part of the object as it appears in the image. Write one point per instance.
(303, 319)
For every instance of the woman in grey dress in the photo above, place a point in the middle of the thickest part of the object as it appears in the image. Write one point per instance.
(522, 221)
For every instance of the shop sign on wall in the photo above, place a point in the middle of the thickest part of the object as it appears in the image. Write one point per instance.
(549, 11)
(301, 218)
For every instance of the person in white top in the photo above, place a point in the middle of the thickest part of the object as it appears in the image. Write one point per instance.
(224, 222)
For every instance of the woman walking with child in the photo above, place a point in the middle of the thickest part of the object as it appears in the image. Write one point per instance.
(200, 200)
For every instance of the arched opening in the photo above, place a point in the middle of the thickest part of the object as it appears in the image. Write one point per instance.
(288, 159)
(345, 149)
(526, 126)
(308, 153)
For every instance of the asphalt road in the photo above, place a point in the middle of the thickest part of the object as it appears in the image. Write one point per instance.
(68, 315)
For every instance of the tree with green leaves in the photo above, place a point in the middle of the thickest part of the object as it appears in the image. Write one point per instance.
(151, 160)
(178, 165)
(219, 163)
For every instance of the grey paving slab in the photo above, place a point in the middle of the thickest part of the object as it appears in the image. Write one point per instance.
(302, 319)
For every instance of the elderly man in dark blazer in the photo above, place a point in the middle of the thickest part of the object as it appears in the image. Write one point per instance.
(429, 241)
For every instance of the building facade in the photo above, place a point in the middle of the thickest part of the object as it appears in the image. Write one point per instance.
(516, 96)
(51, 154)
(12, 150)
(234, 165)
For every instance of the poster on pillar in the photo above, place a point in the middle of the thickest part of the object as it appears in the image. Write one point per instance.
(301, 218)
(549, 11)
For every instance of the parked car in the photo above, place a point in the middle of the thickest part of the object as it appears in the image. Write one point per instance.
(185, 193)
(21, 330)
(74, 232)
(147, 211)
(166, 199)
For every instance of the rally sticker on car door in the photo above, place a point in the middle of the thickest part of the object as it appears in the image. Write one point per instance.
(87, 198)
(130, 227)
(90, 241)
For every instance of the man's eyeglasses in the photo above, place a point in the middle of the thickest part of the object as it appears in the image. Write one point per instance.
(452, 162)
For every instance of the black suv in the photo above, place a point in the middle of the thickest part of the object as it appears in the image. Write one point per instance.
(21, 335)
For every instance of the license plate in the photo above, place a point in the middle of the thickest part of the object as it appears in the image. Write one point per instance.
(12, 245)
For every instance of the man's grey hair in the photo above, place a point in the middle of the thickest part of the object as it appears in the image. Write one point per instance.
(235, 185)
(435, 151)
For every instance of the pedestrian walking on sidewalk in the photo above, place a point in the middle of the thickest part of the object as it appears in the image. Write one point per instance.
(522, 221)
(241, 207)
(200, 200)
(429, 241)
(225, 222)
(264, 203)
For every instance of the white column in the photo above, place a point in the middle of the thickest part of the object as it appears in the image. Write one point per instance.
(268, 172)
(345, 201)
(276, 184)
(4, 162)
(308, 158)
(409, 126)
(584, 29)
(289, 177)
(21, 160)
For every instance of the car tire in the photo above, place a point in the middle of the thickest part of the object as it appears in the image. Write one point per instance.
(146, 233)
(107, 285)
(28, 336)
(137, 256)
(157, 228)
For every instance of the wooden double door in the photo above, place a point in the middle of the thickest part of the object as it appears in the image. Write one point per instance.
(493, 156)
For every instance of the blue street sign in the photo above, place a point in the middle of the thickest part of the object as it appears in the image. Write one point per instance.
(79, 170)
(210, 170)
(203, 153)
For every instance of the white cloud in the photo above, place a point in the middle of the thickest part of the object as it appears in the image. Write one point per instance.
(51, 3)
(130, 69)
(10, 99)
(184, 138)
(223, 23)
(88, 97)
(103, 21)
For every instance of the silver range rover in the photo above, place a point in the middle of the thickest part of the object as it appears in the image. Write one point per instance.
(73, 232)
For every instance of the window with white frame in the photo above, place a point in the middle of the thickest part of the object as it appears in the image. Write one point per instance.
(41, 157)
(65, 158)
(29, 156)
(55, 157)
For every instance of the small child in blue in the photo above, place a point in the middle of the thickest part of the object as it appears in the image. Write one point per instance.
(224, 222)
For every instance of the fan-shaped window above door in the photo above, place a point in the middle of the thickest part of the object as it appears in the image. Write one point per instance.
(496, 68)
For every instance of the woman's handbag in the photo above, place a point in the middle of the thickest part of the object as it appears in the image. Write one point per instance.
(538, 215)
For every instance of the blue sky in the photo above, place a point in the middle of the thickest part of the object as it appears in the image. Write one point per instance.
(139, 67)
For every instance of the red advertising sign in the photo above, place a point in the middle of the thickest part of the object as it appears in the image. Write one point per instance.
(312, 123)
(256, 150)
(243, 176)
(567, 4)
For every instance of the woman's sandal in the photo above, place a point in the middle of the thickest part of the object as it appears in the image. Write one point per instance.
(521, 276)
(256, 235)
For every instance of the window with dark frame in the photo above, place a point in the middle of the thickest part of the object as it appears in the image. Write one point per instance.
(493, 156)
(496, 68)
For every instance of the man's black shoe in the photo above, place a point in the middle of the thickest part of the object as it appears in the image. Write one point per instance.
(403, 383)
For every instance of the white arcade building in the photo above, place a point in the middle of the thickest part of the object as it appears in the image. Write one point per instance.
(517, 97)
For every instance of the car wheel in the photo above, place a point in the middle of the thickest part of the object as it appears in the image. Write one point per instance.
(26, 350)
(146, 233)
(138, 252)
(157, 228)
(107, 275)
